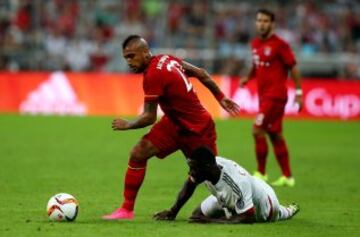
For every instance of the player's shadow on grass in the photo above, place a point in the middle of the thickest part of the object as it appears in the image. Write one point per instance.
(134, 222)
(304, 223)
(112, 222)
(151, 221)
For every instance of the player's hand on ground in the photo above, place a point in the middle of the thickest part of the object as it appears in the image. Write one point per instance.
(120, 124)
(167, 215)
(230, 106)
(299, 102)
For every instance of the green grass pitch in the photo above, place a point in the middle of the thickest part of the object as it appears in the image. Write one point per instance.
(42, 156)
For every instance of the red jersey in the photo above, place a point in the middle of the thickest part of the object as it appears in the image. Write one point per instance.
(165, 82)
(272, 59)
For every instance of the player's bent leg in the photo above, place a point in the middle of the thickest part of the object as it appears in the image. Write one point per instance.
(268, 208)
(282, 156)
(143, 151)
(135, 173)
(197, 214)
(210, 207)
(261, 150)
(134, 178)
(287, 212)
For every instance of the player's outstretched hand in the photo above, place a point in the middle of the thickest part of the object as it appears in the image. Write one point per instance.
(299, 102)
(230, 106)
(120, 124)
(166, 215)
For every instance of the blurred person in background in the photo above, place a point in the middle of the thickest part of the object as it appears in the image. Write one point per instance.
(203, 28)
(55, 45)
(273, 59)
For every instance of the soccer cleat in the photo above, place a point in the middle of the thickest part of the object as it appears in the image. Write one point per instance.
(120, 214)
(284, 181)
(261, 176)
(294, 207)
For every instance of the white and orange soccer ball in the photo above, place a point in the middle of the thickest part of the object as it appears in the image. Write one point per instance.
(62, 207)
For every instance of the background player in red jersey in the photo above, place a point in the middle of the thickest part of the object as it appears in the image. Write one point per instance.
(272, 61)
(186, 124)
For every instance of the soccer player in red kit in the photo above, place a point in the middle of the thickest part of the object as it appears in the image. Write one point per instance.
(273, 59)
(186, 124)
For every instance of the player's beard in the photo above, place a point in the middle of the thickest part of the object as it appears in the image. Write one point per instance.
(265, 34)
(140, 70)
(137, 69)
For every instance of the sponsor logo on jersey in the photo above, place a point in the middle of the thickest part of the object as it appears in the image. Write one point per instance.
(240, 203)
(267, 51)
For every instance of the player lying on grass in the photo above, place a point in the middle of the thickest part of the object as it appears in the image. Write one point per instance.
(237, 197)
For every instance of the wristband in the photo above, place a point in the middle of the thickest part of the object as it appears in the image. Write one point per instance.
(298, 92)
(220, 96)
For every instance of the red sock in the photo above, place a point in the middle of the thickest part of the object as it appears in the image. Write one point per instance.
(261, 150)
(282, 156)
(133, 179)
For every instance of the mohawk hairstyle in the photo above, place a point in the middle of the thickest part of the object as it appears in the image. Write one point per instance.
(203, 156)
(266, 12)
(129, 39)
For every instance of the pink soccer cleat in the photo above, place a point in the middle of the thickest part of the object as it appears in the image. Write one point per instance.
(120, 214)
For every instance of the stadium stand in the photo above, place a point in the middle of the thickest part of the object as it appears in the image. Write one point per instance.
(86, 35)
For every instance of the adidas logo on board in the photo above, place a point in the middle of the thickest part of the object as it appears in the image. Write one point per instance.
(54, 96)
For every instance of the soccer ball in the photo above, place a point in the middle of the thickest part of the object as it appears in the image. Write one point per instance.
(62, 207)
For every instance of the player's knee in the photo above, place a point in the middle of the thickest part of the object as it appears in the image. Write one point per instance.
(257, 132)
(138, 155)
(142, 151)
(276, 136)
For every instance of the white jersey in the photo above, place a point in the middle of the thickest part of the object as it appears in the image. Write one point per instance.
(237, 191)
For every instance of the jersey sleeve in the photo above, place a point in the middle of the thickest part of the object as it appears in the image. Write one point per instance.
(153, 87)
(287, 56)
(244, 202)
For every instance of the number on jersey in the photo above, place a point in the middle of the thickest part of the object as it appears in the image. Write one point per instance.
(177, 67)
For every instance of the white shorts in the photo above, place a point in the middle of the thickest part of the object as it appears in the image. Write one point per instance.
(210, 206)
(267, 210)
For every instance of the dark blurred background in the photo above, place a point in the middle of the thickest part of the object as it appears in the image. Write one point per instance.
(86, 35)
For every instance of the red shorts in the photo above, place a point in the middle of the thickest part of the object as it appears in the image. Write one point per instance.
(270, 116)
(168, 138)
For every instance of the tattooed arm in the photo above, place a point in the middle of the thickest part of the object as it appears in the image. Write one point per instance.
(147, 118)
(203, 76)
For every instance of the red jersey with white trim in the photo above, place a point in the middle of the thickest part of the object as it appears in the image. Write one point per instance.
(165, 82)
(272, 60)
